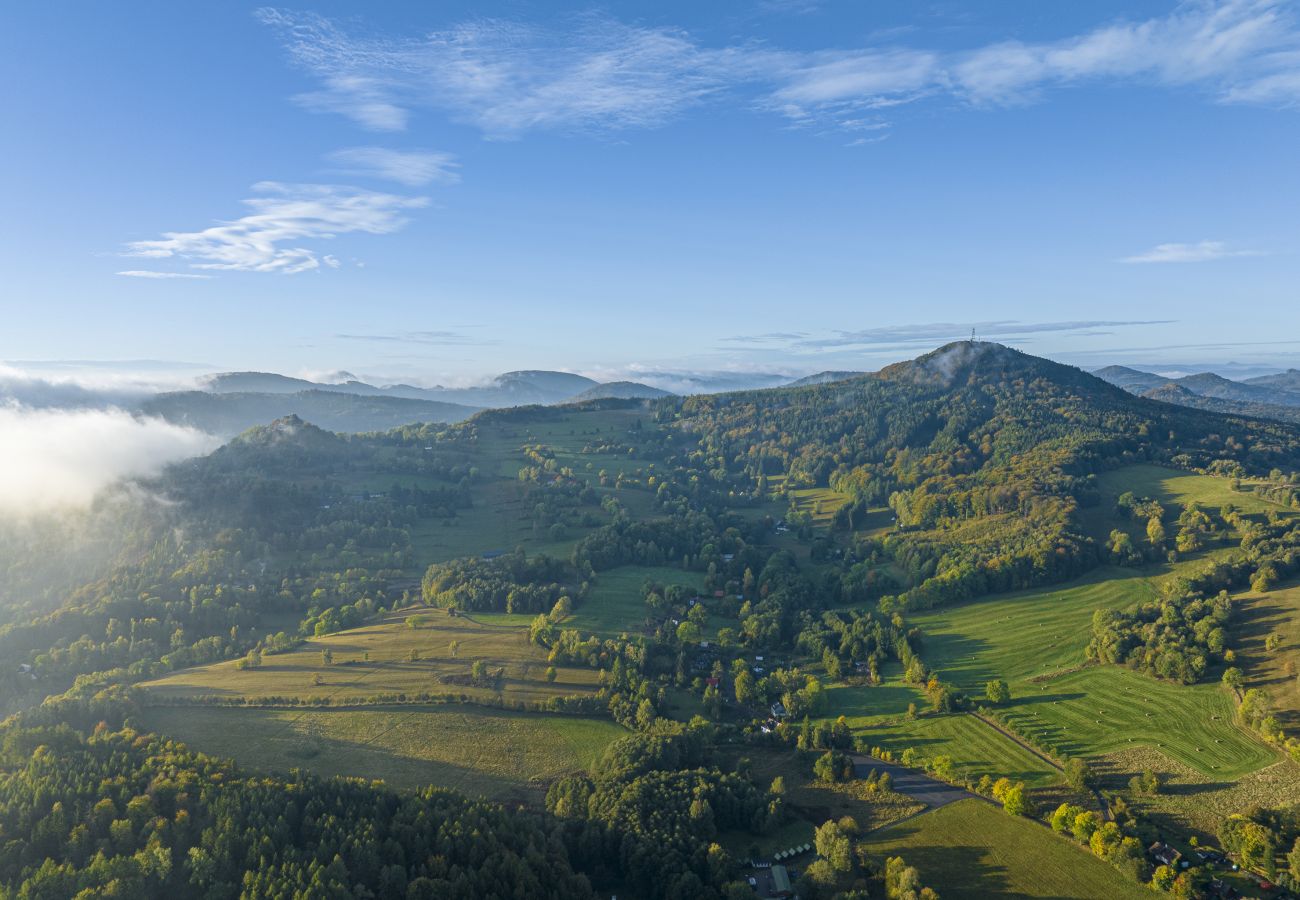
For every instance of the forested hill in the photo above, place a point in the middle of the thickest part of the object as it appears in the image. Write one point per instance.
(985, 454)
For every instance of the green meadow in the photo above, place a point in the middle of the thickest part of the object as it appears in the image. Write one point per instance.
(388, 658)
(616, 603)
(499, 754)
(971, 849)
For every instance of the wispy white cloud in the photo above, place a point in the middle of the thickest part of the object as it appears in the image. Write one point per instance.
(283, 214)
(925, 334)
(507, 78)
(148, 273)
(1227, 47)
(1202, 251)
(503, 77)
(444, 338)
(413, 168)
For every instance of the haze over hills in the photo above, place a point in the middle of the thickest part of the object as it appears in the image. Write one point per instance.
(538, 580)
(823, 378)
(620, 390)
(1285, 381)
(1173, 392)
(1264, 396)
(1130, 379)
(229, 413)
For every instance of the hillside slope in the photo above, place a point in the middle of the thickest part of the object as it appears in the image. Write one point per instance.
(985, 454)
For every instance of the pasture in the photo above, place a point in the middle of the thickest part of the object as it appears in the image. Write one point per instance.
(820, 503)
(1276, 612)
(971, 849)
(1192, 803)
(976, 748)
(1103, 709)
(616, 603)
(497, 754)
(1176, 487)
(1025, 634)
(376, 660)
(812, 802)
(1035, 640)
(501, 515)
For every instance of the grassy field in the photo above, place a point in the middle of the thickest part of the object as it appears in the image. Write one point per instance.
(1025, 638)
(500, 518)
(1026, 634)
(1102, 709)
(811, 801)
(820, 503)
(1175, 487)
(1277, 612)
(971, 849)
(1015, 637)
(1193, 803)
(491, 753)
(389, 668)
(976, 748)
(616, 603)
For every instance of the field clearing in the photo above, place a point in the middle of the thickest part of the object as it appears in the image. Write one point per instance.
(616, 604)
(1103, 709)
(976, 748)
(497, 754)
(389, 669)
(820, 503)
(1032, 634)
(495, 522)
(814, 802)
(1190, 802)
(1026, 634)
(501, 518)
(566, 435)
(971, 849)
(1276, 612)
(1173, 486)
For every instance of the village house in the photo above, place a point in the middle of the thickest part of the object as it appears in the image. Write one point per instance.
(1164, 854)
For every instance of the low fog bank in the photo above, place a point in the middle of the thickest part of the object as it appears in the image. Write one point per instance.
(53, 459)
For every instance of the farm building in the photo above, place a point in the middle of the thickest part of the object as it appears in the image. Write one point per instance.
(780, 883)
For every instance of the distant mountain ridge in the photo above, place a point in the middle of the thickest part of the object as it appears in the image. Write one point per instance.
(1283, 381)
(1131, 379)
(1172, 392)
(620, 390)
(230, 413)
(508, 389)
(1265, 396)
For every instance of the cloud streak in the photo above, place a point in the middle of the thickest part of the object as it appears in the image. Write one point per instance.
(413, 168)
(55, 459)
(282, 214)
(145, 273)
(431, 338)
(507, 78)
(928, 333)
(1203, 251)
(502, 77)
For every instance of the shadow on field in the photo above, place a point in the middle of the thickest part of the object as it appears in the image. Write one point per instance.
(881, 699)
(260, 740)
(1042, 697)
(955, 872)
(1185, 789)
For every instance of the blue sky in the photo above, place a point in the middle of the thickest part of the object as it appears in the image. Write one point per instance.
(433, 192)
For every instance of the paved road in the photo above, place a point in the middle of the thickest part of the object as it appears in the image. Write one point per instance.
(914, 784)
